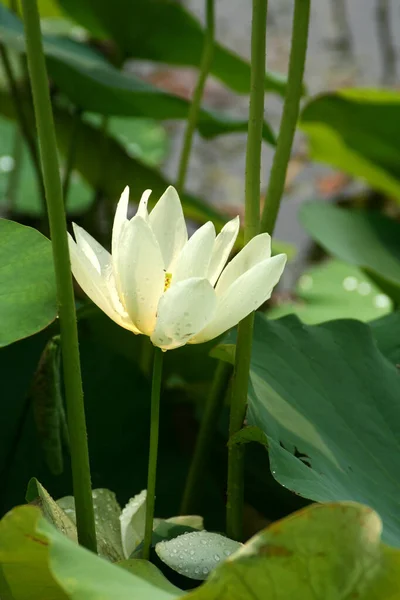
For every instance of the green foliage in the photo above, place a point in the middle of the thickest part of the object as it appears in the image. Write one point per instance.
(195, 555)
(249, 434)
(94, 85)
(25, 306)
(47, 8)
(365, 239)
(357, 131)
(107, 512)
(340, 543)
(146, 570)
(163, 32)
(327, 399)
(33, 559)
(333, 290)
(328, 551)
(135, 140)
(117, 408)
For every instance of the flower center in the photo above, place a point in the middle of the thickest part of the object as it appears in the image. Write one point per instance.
(167, 281)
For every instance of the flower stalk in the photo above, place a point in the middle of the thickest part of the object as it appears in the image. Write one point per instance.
(152, 469)
(298, 52)
(194, 109)
(235, 491)
(66, 303)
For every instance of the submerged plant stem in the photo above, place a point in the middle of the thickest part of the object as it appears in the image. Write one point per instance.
(152, 470)
(298, 52)
(208, 426)
(194, 109)
(235, 492)
(66, 303)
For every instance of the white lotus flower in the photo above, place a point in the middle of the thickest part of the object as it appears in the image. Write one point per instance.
(175, 290)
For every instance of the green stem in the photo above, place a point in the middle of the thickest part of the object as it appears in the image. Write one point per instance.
(73, 144)
(66, 304)
(194, 109)
(23, 121)
(301, 19)
(152, 471)
(191, 495)
(235, 492)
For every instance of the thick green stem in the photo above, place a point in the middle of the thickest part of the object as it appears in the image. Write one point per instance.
(192, 492)
(70, 161)
(205, 66)
(65, 293)
(154, 428)
(23, 121)
(301, 19)
(235, 492)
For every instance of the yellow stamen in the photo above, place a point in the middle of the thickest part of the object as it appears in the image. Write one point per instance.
(167, 282)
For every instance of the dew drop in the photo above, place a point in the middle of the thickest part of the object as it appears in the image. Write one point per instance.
(350, 284)
(175, 551)
(6, 163)
(181, 556)
(227, 552)
(381, 301)
(217, 557)
(192, 552)
(197, 570)
(205, 570)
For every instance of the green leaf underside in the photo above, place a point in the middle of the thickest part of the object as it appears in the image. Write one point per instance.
(327, 400)
(163, 32)
(26, 306)
(330, 550)
(95, 85)
(357, 131)
(366, 239)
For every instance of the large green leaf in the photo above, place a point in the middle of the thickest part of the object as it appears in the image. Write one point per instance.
(163, 32)
(333, 290)
(366, 239)
(330, 551)
(328, 401)
(357, 131)
(95, 85)
(386, 334)
(325, 551)
(28, 294)
(39, 563)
